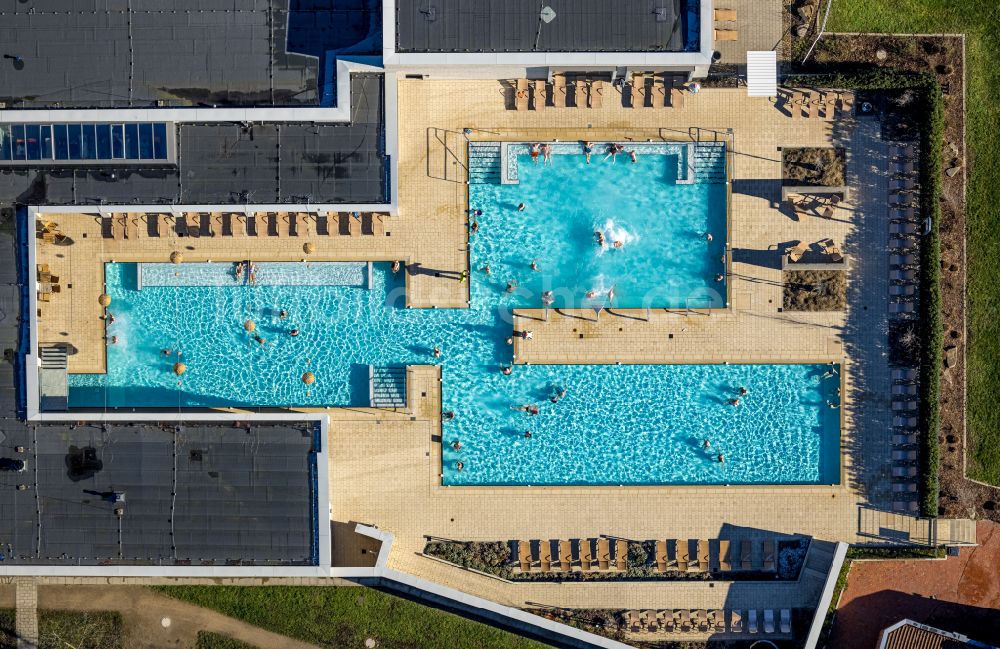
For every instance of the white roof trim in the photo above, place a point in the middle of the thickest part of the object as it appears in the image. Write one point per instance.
(762, 74)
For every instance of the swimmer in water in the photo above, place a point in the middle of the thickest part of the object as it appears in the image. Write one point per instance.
(534, 153)
(721, 459)
(720, 277)
(506, 369)
(436, 352)
(707, 444)
(459, 465)
(708, 236)
(486, 269)
(457, 445)
(832, 405)
(396, 266)
(447, 415)
(166, 352)
(527, 434)
(591, 294)
(557, 394)
(618, 244)
(634, 157)
(282, 314)
(534, 265)
(293, 333)
(744, 391)
(587, 150)
(114, 340)
(511, 286)
(734, 402)
(611, 294)
(520, 207)
(547, 298)
(600, 237)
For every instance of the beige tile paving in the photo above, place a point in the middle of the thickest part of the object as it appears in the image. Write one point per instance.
(385, 466)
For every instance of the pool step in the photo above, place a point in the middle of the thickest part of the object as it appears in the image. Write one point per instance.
(52, 357)
(484, 163)
(387, 386)
(709, 163)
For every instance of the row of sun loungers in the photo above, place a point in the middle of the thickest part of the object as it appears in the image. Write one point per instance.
(706, 621)
(565, 91)
(584, 555)
(652, 91)
(275, 224)
(826, 104)
(904, 231)
(904, 439)
(606, 554)
(721, 33)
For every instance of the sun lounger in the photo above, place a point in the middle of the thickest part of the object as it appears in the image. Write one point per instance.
(906, 291)
(583, 556)
(118, 226)
(904, 167)
(521, 94)
(769, 563)
(635, 621)
(701, 620)
(639, 92)
(561, 89)
(604, 553)
(746, 554)
(786, 620)
(902, 275)
(193, 220)
(735, 622)
(238, 225)
(768, 620)
(904, 456)
(901, 307)
(595, 94)
(565, 555)
(305, 224)
(621, 554)
(904, 440)
(717, 621)
(580, 93)
(905, 506)
(904, 472)
(660, 92)
(524, 556)
(725, 564)
(904, 487)
(904, 422)
(904, 405)
(702, 555)
(902, 244)
(795, 253)
(752, 621)
(902, 185)
(545, 555)
(651, 621)
(902, 228)
(684, 620)
(683, 556)
(902, 260)
(667, 621)
(908, 390)
(726, 34)
(904, 375)
(902, 151)
(903, 214)
(539, 95)
(724, 15)
(812, 101)
(845, 102)
(661, 555)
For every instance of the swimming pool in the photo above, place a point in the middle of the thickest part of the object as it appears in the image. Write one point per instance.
(666, 212)
(630, 424)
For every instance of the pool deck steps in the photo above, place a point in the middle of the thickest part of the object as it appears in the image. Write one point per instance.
(484, 163)
(709, 163)
(387, 386)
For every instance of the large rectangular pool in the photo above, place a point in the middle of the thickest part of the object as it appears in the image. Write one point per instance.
(652, 231)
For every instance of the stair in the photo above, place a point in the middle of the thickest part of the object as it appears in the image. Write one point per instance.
(484, 163)
(709, 163)
(818, 559)
(53, 357)
(387, 386)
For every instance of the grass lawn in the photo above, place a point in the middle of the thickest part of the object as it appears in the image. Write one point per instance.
(68, 630)
(209, 640)
(344, 616)
(979, 21)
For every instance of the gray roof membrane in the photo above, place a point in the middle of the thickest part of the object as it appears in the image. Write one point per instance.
(516, 26)
(114, 53)
(204, 495)
(233, 163)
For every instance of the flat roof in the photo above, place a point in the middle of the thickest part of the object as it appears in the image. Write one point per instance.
(120, 53)
(516, 26)
(229, 163)
(196, 494)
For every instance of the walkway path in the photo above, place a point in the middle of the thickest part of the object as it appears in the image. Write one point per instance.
(26, 620)
(144, 610)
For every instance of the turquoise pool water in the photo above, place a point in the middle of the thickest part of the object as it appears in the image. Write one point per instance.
(640, 424)
(665, 258)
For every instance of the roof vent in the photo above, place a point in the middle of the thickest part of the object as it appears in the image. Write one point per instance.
(430, 13)
(661, 14)
(547, 14)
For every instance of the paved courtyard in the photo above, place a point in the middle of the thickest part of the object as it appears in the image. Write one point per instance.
(385, 465)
